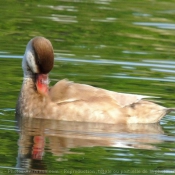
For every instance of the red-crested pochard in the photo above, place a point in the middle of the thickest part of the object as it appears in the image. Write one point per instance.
(72, 101)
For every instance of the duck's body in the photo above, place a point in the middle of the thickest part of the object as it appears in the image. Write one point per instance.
(75, 102)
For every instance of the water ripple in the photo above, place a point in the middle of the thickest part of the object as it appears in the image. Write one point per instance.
(158, 25)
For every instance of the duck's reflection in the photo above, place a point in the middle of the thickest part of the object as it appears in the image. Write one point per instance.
(38, 136)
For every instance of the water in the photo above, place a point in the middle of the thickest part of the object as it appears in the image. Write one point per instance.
(121, 46)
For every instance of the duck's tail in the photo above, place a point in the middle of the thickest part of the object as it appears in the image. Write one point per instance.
(168, 110)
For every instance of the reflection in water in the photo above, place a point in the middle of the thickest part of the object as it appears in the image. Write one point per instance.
(61, 18)
(111, 19)
(61, 7)
(58, 137)
(158, 25)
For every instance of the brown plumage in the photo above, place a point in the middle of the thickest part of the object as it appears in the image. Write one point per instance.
(75, 102)
(43, 52)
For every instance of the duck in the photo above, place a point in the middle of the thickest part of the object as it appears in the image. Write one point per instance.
(69, 101)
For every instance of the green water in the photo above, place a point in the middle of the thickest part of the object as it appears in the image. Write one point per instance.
(125, 46)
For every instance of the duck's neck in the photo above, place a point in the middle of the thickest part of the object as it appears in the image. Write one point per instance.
(30, 100)
(28, 85)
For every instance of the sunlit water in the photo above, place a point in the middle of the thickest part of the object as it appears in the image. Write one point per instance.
(125, 47)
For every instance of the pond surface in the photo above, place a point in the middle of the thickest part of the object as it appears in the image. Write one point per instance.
(124, 46)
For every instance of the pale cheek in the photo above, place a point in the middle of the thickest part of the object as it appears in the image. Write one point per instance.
(29, 58)
(32, 64)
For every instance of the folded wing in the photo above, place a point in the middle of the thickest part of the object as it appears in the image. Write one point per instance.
(66, 91)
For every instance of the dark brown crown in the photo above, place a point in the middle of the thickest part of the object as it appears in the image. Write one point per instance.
(44, 54)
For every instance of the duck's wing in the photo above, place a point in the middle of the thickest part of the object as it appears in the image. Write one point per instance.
(123, 99)
(67, 91)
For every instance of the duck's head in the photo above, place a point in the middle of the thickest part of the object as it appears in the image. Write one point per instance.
(38, 59)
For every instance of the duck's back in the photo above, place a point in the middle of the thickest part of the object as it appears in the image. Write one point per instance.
(79, 102)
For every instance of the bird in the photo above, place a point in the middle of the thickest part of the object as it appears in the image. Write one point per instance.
(69, 101)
